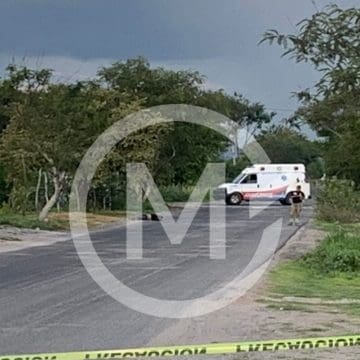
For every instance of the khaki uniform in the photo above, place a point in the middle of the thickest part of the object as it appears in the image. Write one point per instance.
(296, 206)
(296, 210)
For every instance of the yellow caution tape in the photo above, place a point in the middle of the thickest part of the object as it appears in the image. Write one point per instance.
(193, 350)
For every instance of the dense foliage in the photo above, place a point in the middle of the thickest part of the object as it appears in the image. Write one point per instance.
(330, 41)
(338, 201)
(286, 145)
(338, 253)
(47, 127)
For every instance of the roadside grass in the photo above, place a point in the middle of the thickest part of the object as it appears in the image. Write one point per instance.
(331, 272)
(331, 227)
(294, 279)
(339, 253)
(352, 309)
(29, 221)
(57, 220)
(94, 220)
(172, 194)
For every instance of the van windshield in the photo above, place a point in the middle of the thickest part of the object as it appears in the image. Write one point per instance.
(238, 178)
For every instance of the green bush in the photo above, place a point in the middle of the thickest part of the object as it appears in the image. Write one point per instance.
(338, 253)
(176, 193)
(233, 170)
(338, 201)
(29, 221)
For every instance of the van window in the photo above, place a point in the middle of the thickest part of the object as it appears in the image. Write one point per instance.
(250, 179)
(238, 179)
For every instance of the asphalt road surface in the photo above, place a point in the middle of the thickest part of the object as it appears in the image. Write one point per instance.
(49, 303)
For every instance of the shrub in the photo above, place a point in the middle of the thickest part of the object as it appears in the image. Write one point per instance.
(175, 193)
(338, 201)
(233, 170)
(338, 253)
(30, 221)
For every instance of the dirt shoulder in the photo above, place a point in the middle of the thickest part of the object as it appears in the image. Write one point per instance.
(13, 238)
(255, 317)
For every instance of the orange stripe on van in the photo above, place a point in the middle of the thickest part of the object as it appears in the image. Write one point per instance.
(254, 194)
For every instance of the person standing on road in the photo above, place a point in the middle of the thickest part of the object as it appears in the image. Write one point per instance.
(297, 198)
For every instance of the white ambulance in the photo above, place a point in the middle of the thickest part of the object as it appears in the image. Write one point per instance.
(265, 182)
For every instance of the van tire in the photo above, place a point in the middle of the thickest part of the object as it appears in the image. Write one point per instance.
(234, 199)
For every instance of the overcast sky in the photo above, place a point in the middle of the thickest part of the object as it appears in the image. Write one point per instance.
(216, 37)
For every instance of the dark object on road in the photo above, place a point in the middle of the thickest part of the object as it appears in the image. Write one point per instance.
(153, 217)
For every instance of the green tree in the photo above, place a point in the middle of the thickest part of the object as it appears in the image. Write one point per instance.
(52, 127)
(49, 126)
(188, 147)
(234, 169)
(329, 40)
(154, 86)
(285, 145)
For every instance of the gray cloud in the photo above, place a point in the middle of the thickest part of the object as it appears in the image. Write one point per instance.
(159, 29)
(217, 38)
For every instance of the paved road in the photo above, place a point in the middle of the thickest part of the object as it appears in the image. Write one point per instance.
(48, 302)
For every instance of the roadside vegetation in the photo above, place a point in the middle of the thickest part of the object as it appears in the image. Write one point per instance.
(30, 221)
(46, 127)
(330, 274)
(338, 253)
(57, 220)
(338, 201)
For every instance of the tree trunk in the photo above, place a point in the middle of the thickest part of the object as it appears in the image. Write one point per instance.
(94, 199)
(37, 191)
(58, 183)
(104, 202)
(77, 198)
(46, 187)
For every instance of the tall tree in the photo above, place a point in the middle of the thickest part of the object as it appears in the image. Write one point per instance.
(189, 147)
(52, 127)
(330, 41)
(286, 145)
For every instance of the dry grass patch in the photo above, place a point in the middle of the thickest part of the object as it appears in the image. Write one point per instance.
(93, 220)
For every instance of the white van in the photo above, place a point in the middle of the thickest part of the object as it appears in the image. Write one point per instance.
(266, 182)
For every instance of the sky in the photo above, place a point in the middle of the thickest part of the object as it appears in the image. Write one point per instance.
(218, 38)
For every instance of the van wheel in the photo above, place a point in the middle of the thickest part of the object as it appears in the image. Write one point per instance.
(234, 199)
